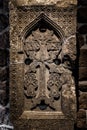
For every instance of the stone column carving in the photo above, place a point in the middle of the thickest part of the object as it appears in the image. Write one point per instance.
(42, 62)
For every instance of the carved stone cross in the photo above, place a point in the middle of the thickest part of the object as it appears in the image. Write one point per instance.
(42, 64)
(42, 56)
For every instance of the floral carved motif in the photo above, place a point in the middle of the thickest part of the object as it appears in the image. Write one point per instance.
(30, 85)
(54, 86)
(45, 65)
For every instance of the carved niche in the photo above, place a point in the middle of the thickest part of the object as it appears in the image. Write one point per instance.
(42, 59)
(45, 65)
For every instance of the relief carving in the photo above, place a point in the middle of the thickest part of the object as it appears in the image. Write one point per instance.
(46, 64)
(45, 2)
(30, 85)
(41, 48)
(42, 55)
(54, 86)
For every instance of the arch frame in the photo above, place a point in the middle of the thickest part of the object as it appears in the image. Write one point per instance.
(51, 23)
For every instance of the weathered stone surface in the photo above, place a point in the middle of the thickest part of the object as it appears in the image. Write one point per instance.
(44, 124)
(80, 41)
(3, 57)
(81, 116)
(82, 73)
(4, 44)
(2, 114)
(3, 85)
(81, 119)
(3, 22)
(42, 56)
(4, 40)
(83, 100)
(3, 74)
(2, 97)
(83, 56)
(83, 86)
(60, 3)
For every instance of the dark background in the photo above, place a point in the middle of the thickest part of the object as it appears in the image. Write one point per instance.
(81, 64)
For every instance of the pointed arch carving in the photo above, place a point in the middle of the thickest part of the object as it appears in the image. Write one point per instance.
(48, 21)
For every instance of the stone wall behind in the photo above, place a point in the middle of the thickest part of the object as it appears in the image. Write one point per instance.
(4, 62)
(81, 60)
(82, 66)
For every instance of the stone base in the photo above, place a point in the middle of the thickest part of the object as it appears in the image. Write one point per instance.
(44, 124)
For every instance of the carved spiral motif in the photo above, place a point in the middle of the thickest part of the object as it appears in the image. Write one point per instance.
(54, 86)
(30, 85)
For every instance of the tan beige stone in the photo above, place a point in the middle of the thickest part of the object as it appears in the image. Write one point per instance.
(42, 56)
(60, 3)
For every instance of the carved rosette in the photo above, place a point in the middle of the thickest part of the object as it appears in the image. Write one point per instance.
(30, 85)
(54, 85)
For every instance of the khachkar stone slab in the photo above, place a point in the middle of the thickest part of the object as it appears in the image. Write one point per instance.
(42, 62)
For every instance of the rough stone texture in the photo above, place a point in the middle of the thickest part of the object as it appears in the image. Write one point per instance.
(83, 56)
(4, 41)
(42, 60)
(83, 100)
(82, 73)
(4, 44)
(3, 74)
(60, 3)
(82, 43)
(83, 86)
(81, 119)
(4, 62)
